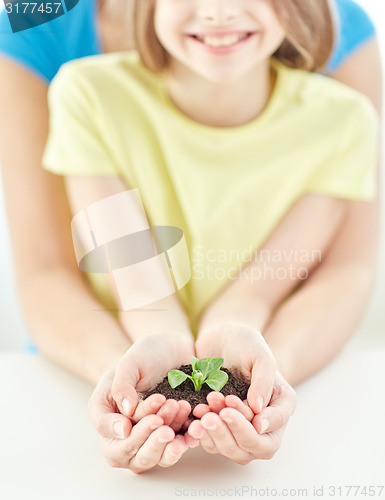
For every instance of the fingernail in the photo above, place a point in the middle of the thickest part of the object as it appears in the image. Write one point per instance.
(126, 406)
(211, 427)
(118, 429)
(260, 403)
(264, 425)
(228, 420)
(163, 440)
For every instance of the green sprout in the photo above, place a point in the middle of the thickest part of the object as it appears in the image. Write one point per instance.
(204, 371)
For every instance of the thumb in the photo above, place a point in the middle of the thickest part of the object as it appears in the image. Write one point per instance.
(123, 389)
(262, 383)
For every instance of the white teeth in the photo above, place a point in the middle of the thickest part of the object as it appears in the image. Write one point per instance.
(222, 41)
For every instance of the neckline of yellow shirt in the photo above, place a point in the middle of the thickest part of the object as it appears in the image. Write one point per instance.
(274, 100)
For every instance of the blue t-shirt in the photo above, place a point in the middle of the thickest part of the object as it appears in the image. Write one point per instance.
(43, 49)
(354, 29)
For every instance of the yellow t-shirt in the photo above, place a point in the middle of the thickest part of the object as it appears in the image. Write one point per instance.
(226, 188)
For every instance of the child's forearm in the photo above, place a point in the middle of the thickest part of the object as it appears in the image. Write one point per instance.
(311, 327)
(236, 304)
(69, 325)
(251, 299)
(165, 315)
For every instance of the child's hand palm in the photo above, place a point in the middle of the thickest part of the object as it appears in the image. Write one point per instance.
(245, 349)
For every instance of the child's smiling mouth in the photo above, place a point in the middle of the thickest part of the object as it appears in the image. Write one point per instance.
(220, 42)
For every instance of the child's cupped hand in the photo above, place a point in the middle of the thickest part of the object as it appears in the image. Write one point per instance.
(143, 434)
(138, 435)
(253, 429)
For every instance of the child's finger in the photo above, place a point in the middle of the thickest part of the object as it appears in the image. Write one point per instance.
(262, 447)
(119, 452)
(208, 444)
(235, 402)
(201, 410)
(127, 376)
(173, 452)
(114, 426)
(168, 411)
(276, 415)
(222, 438)
(216, 401)
(190, 441)
(150, 405)
(150, 453)
(102, 411)
(101, 401)
(262, 382)
(181, 415)
(197, 431)
(242, 430)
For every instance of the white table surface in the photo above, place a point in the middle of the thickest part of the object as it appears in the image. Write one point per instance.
(49, 449)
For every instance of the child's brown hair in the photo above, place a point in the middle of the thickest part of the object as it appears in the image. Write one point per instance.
(308, 24)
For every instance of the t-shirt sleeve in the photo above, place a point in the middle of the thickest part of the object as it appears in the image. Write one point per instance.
(351, 170)
(75, 144)
(43, 48)
(30, 48)
(354, 28)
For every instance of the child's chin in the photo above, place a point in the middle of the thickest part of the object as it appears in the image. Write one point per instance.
(224, 78)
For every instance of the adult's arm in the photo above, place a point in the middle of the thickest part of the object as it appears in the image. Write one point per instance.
(64, 318)
(354, 250)
(353, 257)
(58, 305)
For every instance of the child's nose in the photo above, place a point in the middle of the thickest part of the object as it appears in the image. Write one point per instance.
(218, 11)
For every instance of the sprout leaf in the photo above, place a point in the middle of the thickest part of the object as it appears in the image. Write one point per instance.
(217, 380)
(176, 377)
(193, 362)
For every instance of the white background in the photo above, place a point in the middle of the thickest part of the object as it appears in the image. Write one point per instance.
(12, 329)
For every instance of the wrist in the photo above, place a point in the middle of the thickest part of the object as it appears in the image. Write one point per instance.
(225, 328)
(240, 309)
(96, 367)
(176, 335)
(284, 363)
(220, 338)
(176, 341)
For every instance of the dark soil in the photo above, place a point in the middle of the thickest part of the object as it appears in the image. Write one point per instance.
(237, 384)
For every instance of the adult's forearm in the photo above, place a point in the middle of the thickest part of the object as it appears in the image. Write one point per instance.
(69, 326)
(311, 327)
